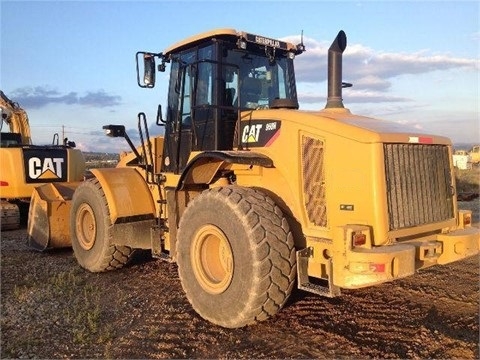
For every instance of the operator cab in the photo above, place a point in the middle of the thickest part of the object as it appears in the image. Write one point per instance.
(213, 78)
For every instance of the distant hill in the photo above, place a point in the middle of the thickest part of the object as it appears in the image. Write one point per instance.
(100, 159)
(100, 156)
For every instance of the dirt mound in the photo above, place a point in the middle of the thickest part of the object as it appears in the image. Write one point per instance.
(50, 308)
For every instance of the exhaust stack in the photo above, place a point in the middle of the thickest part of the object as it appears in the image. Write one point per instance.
(335, 52)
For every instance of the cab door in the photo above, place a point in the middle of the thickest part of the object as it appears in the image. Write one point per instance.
(178, 130)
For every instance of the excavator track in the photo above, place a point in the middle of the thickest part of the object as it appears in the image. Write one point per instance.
(10, 219)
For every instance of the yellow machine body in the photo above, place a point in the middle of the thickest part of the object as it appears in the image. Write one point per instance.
(328, 174)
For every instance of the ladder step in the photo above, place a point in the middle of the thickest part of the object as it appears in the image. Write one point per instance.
(157, 246)
(317, 287)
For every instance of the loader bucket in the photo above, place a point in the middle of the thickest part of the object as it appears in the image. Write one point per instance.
(49, 216)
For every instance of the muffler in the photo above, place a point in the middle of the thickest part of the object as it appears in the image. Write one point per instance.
(335, 52)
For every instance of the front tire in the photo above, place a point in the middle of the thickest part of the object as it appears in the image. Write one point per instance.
(91, 230)
(235, 256)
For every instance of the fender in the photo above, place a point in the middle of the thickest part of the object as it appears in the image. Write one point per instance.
(203, 167)
(127, 194)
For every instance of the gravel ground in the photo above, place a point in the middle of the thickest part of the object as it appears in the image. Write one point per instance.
(51, 308)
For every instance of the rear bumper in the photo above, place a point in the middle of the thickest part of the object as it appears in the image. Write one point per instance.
(366, 267)
(459, 244)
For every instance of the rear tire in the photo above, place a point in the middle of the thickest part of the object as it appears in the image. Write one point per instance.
(91, 230)
(235, 255)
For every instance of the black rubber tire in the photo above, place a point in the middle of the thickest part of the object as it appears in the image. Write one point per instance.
(89, 214)
(263, 268)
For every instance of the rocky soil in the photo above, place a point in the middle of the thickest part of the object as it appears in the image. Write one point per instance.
(50, 308)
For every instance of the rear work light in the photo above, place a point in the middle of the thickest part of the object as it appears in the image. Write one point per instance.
(464, 219)
(359, 239)
(467, 220)
(358, 236)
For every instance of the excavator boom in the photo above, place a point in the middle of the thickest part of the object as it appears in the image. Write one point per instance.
(16, 118)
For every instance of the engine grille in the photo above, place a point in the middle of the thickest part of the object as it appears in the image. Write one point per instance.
(314, 180)
(419, 184)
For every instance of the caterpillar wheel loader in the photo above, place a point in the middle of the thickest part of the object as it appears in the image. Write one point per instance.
(24, 166)
(250, 195)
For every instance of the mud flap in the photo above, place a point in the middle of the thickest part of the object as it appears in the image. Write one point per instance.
(135, 234)
(49, 216)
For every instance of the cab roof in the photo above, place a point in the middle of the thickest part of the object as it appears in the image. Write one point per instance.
(232, 34)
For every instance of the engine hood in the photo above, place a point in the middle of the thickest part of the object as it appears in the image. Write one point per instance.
(342, 122)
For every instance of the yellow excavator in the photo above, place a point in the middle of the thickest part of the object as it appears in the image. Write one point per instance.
(251, 196)
(24, 166)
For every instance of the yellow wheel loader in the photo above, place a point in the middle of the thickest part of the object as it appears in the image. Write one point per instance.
(24, 166)
(250, 195)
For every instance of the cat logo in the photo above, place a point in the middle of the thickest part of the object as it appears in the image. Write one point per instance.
(45, 169)
(257, 133)
(43, 165)
(251, 133)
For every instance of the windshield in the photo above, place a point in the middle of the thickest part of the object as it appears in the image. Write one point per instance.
(260, 80)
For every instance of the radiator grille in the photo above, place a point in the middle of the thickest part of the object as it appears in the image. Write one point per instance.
(419, 184)
(314, 180)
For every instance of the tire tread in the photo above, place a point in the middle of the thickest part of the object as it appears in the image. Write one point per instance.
(272, 245)
(112, 257)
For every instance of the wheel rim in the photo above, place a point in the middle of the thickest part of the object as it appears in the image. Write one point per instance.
(86, 227)
(212, 259)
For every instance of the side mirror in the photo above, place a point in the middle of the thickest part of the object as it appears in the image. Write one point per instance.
(147, 66)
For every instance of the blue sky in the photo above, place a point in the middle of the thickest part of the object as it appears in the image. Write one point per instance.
(71, 65)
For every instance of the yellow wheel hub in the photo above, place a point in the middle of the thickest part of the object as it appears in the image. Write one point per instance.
(86, 227)
(212, 259)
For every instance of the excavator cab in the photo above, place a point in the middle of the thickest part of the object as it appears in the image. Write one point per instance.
(10, 139)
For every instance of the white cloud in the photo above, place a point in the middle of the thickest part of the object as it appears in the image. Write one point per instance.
(40, 96)
(372, 70)
(372, 82)
(431, 92)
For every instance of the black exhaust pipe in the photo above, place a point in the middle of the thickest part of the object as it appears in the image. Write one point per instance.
(335, 52)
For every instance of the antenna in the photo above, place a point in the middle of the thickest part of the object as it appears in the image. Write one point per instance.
(301, 46)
